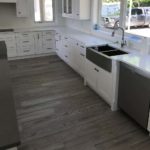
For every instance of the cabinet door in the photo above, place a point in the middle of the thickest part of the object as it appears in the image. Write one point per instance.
(25, 43)
(22, 8)
(105, 85)
(38, 37)
(76, 9)
(49, 44)
(91, 74)
(10, 44)
(81, 52)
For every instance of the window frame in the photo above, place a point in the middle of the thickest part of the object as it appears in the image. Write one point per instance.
(43, 21)
(99, 16)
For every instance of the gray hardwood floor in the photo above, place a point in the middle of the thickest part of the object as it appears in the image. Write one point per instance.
(56, 112)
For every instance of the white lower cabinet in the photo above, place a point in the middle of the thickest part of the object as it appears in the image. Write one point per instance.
(100, 81)
(81, 58)
(92, 72)
(25, 43)
(48, 42)
(105, 85)
(44, 42)
(10, 41)
(72, 52)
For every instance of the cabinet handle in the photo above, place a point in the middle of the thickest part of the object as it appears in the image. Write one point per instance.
(82, 54)
(77, 44)
(57, 40)
(49, 48)
(82, 46)
(66, 46)
(66, 38)
(38, 36)
(66, 56)
(96, 69)
(25, 51)
(49, 40)
(26, 41)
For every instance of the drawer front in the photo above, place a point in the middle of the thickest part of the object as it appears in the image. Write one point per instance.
(99, 60)
(45, 33)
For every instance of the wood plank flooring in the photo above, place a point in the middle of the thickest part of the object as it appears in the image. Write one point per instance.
(56, 112)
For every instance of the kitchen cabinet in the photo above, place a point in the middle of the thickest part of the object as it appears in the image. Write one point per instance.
(44, 42)
(58, 38)
(105, 85)
(25, 43)
(10, 41)
(48, 42)
(92, 72)
(99, 76)
(76, 9)
(22, 8)
(66, 49)
(38, 38)
(8, 1)
(67, 8)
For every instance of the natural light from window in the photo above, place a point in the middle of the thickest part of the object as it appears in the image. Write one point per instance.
(138, 17)
(43, 10)
(110, 12)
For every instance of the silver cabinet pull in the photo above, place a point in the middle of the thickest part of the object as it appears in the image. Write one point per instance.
(26, 41)
(82, 46)
(82, 54)
(96, 69)
(25, 51)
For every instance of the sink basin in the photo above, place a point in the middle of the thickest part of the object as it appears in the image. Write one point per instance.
(104, 48)
(114, 53)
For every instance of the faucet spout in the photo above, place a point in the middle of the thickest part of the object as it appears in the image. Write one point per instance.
(123, 42)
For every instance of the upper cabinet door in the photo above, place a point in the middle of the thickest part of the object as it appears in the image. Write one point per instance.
(67, 8)
(76, 9)
(22, 8)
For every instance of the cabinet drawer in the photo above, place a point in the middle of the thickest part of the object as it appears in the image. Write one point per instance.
(49, 33)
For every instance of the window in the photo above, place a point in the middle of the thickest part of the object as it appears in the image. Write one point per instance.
(44, 11)
(109, 12)
(138, 17)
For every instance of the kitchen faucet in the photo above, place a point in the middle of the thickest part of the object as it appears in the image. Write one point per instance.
(123, 42)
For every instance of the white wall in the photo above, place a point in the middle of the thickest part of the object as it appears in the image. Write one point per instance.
(8, 17)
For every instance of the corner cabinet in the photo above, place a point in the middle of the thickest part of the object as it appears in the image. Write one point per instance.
(22, 8)
(76, 9)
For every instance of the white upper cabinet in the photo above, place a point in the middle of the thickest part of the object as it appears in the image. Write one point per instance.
(8, 1)
(22, 8)
(76, 9)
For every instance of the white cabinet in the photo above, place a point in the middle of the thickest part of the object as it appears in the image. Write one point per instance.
(105, 85)
(25, 43)
(10, 41)
(81, 58)
(44, 42)
(48, 42)
(100, 80)
(58, 38)
(76, 9)
(22, 8)
(8, 1)
(38, 39)
(92, 72)
(67, 8)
